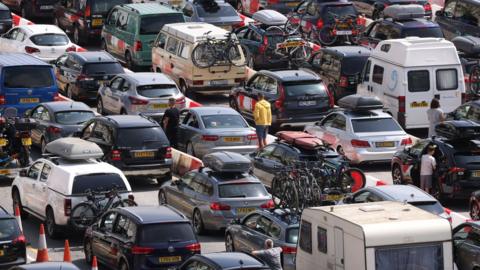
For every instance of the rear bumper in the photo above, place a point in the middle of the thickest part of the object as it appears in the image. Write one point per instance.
(153, 170)
(202, 149)
(365, 156)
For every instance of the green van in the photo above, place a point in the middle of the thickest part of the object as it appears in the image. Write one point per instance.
(130, 30)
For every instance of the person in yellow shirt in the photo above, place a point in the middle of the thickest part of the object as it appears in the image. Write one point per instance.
(262, 115)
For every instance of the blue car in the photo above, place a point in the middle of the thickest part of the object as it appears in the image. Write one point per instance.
(25, 81)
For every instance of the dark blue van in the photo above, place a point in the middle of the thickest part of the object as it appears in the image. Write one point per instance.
(25, 81)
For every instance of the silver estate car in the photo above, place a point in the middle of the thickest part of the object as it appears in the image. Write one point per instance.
(206, 130)
(134, 93)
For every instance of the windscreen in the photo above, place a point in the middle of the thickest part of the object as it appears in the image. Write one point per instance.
(300, 89)
(430, 206)
(423, 32)
(73, 117)
(165, 232)
(353, 65)
(466, 153)
(28, 77)
(97, 182)
(219, 11)
(292, 236)
(339, 11)
(50, 40)
(413, 257)
(218, 121)
(151, 25)
(103, 68)
(242, 190)
(157, 90)
(139, 137)
(375, 125)
(104, 6)
(5, 14)
(8, 229)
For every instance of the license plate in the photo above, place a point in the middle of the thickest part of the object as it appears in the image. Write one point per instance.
(290, 44)
(244, 210)
(232, 139)
(170, 259)
(27, 141)
(3, 142)
(385, 144)
(293, 4)
(144, 154)
(336, 197)
(219, 82)
(160, 106)
(97, 22)
(476, 174)
(307, 103)
(343, 32)
(4, 172)
(29, 100)
(46, 7)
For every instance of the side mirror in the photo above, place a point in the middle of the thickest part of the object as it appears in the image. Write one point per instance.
(23, 173)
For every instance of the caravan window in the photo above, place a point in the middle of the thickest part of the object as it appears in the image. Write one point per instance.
(322, 240)
(306, 236)
(411, 257)
(377, 76)
(418, 81)
(447, 79)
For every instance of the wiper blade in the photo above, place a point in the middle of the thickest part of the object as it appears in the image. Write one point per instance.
(238, 196)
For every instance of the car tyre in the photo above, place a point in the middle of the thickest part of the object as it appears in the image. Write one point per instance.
(123, 112)
(197, 223)
(162, 198)
(88, 251)
(17, 201)
(100, 108)
(397, 176)
(475, 211)
(190, 150)
(53, 230)
(229, 244)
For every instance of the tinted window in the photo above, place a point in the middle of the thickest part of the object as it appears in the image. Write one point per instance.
(138, 137)
(353, 65)
(377, 75)
(339, 11)
(418, 81)
(103, 6)
(97, 181)
(224, 121)
(49, 39)
(432, 207)
(375, 125)
(423, 32)
(322, 240)
(73, 117)
(308, 88)
(103, 68)
(216, 11)
(157, 90)
(5, 14)
(151, 25)
(447, 79)
(173, 232)
(246, 190)
(28, 77)
(292, 236)
(306, 236)
(8, 229)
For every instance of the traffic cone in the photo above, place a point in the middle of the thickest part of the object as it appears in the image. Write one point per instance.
(18, 217)
(42, 253)
(67, 257)
(94, 263)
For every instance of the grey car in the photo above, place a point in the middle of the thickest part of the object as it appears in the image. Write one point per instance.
(466, 246)
(218, 13)
(213, 199)
(251, 232)
(206, 130)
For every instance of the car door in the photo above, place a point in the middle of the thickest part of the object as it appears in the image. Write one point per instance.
(121, 239)
(411, 160)
(59, 66)
(37, 131)
(158, 52)
(323, 129)
(172, 65)
(369, 37)
(466, 241)
(118, 96)
(102, 135)
(41, 190)
(175, 192)
(460, 113)
(446, 87)
(268, 162)
(29, 185)
(199, 194)
(8, 40)
(247, 231)
(259, 234)
(109, 30)
(71, 70)
(100, 244)
(183, 120)
(246, 98)
(188, 130)
(110, 95)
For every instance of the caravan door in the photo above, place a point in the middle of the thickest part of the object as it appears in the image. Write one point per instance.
(418, 95)
(339, 254)
(449, 86)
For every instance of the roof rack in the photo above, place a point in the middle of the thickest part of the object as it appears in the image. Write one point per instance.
(74, 149)
(360, 103)
(404, 12)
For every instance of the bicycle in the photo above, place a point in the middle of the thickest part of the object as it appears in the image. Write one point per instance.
(86, 213)
(345, 27)
(293, 48)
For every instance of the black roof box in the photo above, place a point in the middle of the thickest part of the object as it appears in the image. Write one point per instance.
(458, 129)
(360, 103)
(227, 162)
(467, 44)
(404, 12)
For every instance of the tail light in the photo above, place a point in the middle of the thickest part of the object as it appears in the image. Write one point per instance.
(319, 24)
(401, 104)
(407, 141)
(88, 11)
(263, 46)
(209, 138)
(279, 103)
(137, 250)
(268, 205)
(289, 250)
(272, 2)
(2, 100)
(54, 130)
(427, 7)
(252, 137)
(360, 144)
(216, 206)
(19, 240)
(71, 49)
(194, 247)
(67, 207)
(361, 20)
(83, 77)
(331, 98)
(197, 82)
(180, 100)
(168, 153)
(457, 170)
(137, 101)
(30, 50)
(137, 46)
(343, 81)
(131, 197)
(116, 155)
(447, 214)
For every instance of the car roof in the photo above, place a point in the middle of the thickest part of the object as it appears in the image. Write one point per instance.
(57, 106)
(153, 214)
(130, 121)
(403, 193)
(230, 260)
(20, 59)
(150, 8)
(49, 266)
(291, 75)
(3, 7)
(213, 110)
(145, 78)
(94, 57)
(412, 23)
(348, 51)
(34, 29)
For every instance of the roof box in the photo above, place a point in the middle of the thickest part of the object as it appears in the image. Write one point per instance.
(227, 162)
(74, 148)
(269, 17)
(458, 129)
(300, 139)
(360, 103)
(467, 44)
(404, 12)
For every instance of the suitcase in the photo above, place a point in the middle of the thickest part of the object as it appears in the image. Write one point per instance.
(227, 162)
(359, 103)
(467, 44)
(300, 139)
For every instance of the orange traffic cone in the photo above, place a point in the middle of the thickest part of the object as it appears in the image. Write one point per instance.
(18, 217)
(94, 263)
(42, 254)
(67, 257)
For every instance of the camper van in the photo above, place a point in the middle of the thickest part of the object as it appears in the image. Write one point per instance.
(406, 74)
(373, 236)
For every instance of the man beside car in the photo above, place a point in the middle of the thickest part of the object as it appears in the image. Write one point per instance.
(262, 115)
(427, 167)
(170, 122)
(270, 255)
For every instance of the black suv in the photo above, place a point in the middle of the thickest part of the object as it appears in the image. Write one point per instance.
(143, 237)
(13, 251)
(83, 18)
(459, 18)
(79, 74)
(297, 97)
(5, 19)
(135, 144)
(32, 8)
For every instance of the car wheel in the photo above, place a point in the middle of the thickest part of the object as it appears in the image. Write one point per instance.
(87, 249)
(397, 176)
(475, 211)
(129, 61)
(162, 198)
(229, 245)
(43, 145)
(52, 227)
(197, 223)
(123, 265)
(233, 104)
(17, 201)
(190, 149)
(100, 108)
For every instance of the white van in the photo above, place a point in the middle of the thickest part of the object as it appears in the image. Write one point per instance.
(171, 54)
(406, 74)
(373, 236)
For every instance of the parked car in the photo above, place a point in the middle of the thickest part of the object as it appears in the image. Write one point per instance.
(57, 119)
(374, 8)
(134, 144)
(340, 68)
(52, 186)
(25, 81)
(144, 237)
(224, 261)
(250, 233)
(458, 18)
(467, 111)
(215, 12)
(83, 19)
(212, 197)
(80, 74)
(465, 245)
(6, 21)
(46, 266)
(205, 130)
(134, 93)
(14, 246)
(131, 40)
(249, 7)
(31, 9)
(298, 97)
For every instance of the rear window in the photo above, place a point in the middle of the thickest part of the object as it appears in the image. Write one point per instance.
(224, 121)
(432, 207)
(139, 137)
(243, 190)
(315, 88)
(8, 229)
(104, 6)
(5, 14)
(375, 125)
(28, 77)
(157, 90)
(167, 232)
(73, 117)
(292, 236)
(49, 40)
(339, 11)
(97, 182)
(423, 32)
(353, 65)
(103, 68)
(151, 25)
(216, 11)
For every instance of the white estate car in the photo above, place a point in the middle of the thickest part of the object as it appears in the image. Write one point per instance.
(47, 42)
(51, 187)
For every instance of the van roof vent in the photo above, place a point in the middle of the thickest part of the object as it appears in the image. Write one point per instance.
(195, 26)
(372, 208)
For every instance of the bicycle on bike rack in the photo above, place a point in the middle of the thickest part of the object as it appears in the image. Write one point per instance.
(344, 28)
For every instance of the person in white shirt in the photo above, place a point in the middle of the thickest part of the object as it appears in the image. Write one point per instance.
(427, 167)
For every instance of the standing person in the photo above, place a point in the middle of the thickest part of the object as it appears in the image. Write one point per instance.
(170, 122)
(435, 116)
(262, 115)
(427, 166)
(270, 255)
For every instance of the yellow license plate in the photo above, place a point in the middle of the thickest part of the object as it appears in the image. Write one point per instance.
(336, 197)
(145, 154)
(97, 22)
(3, 142)
(342, 26)
(231, 139)
(476, 174)
(170, 259)
(29, 100)
(292, 44)
(4, 172)
(27, 141)
(2, 253)
(294, 4)
(385, 144)
(245, 210)
(160, 106)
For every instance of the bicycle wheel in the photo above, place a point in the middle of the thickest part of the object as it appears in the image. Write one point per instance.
(326, 37)
(474, 79)
(351, 180)
(290, 198)
(292, 27)
(235, 57)
(124, 203)
(301, 55)
(203, 55)
(83, 215)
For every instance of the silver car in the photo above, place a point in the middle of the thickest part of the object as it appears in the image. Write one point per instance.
(206, 130)
(134, 93)
(213, 199)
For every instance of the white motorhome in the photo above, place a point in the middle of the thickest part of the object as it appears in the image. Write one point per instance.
(406, 74)
(373, 236)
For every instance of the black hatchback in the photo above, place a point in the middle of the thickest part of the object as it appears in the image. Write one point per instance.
(13, 245)
(146, 237)
(5, 19)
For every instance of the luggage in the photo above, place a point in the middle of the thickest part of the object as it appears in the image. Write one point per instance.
(458, 129)
(404, 12)
(74, 148)
(300, 139)
(467, 44)
(360, 103)
(227, 162)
